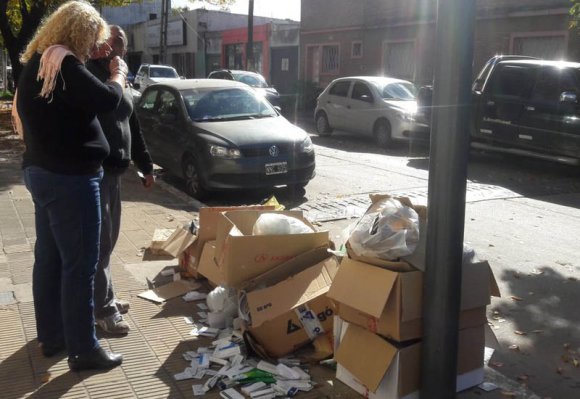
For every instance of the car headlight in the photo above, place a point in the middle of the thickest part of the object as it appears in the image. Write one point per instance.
(407, 117)
(306, 145)
(224, 152)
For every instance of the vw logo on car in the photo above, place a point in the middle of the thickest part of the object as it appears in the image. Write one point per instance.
(274, 151)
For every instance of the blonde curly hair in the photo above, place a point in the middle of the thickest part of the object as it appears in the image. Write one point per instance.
(76, 25)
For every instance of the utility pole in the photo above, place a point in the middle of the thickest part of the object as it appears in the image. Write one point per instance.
(163, 31)
(447, 184)
(250, 44)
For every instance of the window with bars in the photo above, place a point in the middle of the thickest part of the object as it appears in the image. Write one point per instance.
(330, 60)
(356, 50)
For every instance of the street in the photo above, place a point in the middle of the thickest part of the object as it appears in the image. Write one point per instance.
(522, 215)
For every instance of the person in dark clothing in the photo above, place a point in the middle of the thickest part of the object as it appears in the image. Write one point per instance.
(58, 102)
(123, 133)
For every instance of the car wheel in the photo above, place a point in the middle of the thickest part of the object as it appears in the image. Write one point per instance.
(193, 184)
(322, 126)
(297, 190)
(382, 133)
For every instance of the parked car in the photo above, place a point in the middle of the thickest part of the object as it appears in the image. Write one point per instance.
(149, 74)
(382, 107)
(528, 106)
(253, 79)
(222, 135)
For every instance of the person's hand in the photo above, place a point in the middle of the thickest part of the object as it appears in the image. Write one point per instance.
(101, 51)
(118, 66)
(149, 181)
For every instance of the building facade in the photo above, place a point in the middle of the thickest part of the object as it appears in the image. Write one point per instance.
(397, 38)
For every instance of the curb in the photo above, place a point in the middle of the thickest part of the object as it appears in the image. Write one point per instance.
(179, 194)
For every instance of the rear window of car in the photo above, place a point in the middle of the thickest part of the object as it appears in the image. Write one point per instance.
(222, 104)
(340, 89)
(162, 73)
(251, 80)
(399, 91)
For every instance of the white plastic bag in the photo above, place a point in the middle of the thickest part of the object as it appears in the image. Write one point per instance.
(276, 224)
(389, 233)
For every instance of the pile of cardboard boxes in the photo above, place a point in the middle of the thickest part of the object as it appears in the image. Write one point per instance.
(290, 289)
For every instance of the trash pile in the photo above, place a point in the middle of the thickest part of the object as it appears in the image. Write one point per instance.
(280, 284)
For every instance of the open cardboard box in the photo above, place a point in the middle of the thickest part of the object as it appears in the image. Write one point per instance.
(242, 256)
(287, 306)
(390, 303)
(207, 267)
(378, 368)
(190, 255)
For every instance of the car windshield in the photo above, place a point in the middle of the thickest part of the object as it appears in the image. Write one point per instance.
(399, 91)
(219, 104)
(163, 73)
(251, 80)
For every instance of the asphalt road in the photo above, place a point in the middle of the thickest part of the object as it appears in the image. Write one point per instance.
(521, 214)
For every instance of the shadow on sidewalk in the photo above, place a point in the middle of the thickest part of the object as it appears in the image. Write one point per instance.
(542, 350)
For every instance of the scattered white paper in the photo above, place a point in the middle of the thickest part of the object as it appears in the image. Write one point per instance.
(231, 393)
(487, 386)
(188, 320)
(186, 374)
(198, 390)
(202, 315)
(168, 272)
(268, 367)
(286, 372)
(248, 389)
(202, 306)
(194, 296)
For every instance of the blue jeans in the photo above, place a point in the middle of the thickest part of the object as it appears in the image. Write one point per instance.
(68, 221)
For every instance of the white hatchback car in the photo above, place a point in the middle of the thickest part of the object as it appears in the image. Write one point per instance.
(149, 74)
(381, 107)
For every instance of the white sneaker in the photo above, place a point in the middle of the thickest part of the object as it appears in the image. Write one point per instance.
(114, 324)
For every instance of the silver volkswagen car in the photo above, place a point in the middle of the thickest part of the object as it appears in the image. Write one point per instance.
(381, 107)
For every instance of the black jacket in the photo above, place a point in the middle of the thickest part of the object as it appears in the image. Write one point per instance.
(62, 133)
(121, 129)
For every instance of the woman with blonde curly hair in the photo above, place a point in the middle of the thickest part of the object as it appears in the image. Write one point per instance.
(58, 101)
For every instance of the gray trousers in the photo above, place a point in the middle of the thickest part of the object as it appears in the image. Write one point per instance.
(110, 225)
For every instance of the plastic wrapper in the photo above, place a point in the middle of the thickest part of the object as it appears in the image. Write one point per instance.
(388, 233)
(277, 224)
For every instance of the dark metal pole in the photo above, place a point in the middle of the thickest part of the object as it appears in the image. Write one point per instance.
(163, 31)
(250, 45)
(447, 185)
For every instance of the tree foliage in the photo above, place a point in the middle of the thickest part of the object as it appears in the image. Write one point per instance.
(574, 13)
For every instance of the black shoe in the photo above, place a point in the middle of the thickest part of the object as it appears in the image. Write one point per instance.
(49, 350)
(97, 359)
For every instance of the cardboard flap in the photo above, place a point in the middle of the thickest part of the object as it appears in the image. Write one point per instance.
(288, 268)
(273, 301)
(208, 218)
(364, 287)
(178, 242)
(490, 338)
(207, 266)
(475, 285)
(494, 288)
(169, 291)
(366, 355)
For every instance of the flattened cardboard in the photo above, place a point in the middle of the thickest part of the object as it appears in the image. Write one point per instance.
(242, 256)
(390, 303)
(168, 291)
(208, 216)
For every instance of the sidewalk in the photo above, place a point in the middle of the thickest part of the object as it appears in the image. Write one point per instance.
(158, 337)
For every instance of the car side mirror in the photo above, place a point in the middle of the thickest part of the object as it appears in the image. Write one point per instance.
(366, 98)
(278, 108)
(569, 97)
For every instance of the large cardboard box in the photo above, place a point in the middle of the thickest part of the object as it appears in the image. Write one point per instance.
(189, 257)
(242, 256)
(207, 266)
(378, 368)
(287, 306)
(390, 303)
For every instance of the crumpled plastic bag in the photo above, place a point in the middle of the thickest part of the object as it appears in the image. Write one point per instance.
(276, 224)
(389, 233)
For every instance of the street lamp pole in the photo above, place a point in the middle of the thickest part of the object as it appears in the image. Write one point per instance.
(163, 30)
(447, 186)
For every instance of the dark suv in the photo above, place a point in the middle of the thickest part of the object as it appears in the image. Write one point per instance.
(528, 106)
(253, 79)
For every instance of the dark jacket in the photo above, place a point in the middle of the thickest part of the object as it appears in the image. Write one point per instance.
(121, 129)
(62, 133)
